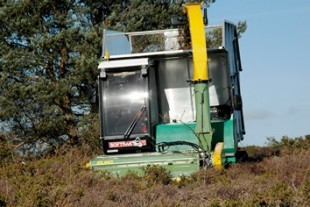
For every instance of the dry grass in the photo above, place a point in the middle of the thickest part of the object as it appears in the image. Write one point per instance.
(275, 179)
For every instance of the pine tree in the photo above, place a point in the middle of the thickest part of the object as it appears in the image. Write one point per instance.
(48, 56)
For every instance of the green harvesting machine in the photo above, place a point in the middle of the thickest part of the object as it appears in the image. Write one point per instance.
(168, 101)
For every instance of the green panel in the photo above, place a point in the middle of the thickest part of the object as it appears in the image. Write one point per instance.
(230, 144)
(185, 132)
(223, 132)
(218, 135)
(178, 163)
(177, 132)
(231, 159)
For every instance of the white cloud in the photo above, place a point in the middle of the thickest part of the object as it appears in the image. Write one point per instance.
(258, 114)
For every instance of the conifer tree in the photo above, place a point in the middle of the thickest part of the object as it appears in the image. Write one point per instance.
(48, 58)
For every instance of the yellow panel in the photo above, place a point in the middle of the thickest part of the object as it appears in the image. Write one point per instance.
(218, 155)
(198, 40)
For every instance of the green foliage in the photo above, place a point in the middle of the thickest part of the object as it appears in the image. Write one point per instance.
(143, 15)
(241, 27)
(48, 57)
(290, 145)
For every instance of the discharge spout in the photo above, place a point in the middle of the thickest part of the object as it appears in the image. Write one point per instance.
(200, 75)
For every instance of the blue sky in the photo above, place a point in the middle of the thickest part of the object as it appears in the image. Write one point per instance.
(275, 52)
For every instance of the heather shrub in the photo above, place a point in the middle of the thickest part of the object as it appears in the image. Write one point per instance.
(157, 175)
(7, 153)
(258, 153)
(289, 145)
(304, 190)
(89, 130)
(62, 180)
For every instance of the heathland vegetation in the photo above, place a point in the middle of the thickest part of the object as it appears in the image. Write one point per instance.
(274, 175)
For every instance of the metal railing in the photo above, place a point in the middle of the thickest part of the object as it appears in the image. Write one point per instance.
(121, 43)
